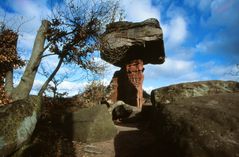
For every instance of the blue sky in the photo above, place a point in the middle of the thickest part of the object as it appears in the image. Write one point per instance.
(201, 38)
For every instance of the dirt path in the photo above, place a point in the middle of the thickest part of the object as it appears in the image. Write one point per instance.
(129, 142)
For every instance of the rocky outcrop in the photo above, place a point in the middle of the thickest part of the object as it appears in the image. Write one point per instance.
(173, 93)
(90, 124)
(130, 46)
(125, 41)
(198, 119)
(17, 123)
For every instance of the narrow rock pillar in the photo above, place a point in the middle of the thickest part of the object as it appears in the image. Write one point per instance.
(134, 74)
(127, 84)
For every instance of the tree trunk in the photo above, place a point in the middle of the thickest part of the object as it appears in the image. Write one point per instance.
(9, 83)
(43, 88)
(26, 83)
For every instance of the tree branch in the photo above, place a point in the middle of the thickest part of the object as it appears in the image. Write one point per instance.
(44, 87)
(52, 54)
(26, 83)
(9, 82)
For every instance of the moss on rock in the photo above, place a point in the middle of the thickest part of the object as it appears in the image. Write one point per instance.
(17, 122)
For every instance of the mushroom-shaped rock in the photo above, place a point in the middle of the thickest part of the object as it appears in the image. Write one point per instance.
(125, 41)
(129, 46)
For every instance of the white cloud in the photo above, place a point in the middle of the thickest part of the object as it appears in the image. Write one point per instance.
(35, 9)
(36, 86)
(139, 10)
(223, 13)
(224, 21)
(221, 72)
(110, 70)
(171, 72)
(172, 68)
(156, 76)
(175, 32)
(26, 41)
(148, 89)
(202, 5)
(26, 18)
(72, 88)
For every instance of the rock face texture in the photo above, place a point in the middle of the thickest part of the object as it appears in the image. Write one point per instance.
(126, 84)
(121, 111)
(198, 119)
(90, 124)
(17, 123)
(173, 93)
(126, 41)
(131, 46)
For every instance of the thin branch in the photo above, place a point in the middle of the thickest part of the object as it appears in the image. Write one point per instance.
(52, 54)
(43, 88)
(22, 23)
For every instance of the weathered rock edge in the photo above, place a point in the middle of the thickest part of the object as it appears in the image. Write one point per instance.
(124, 41)
(173, 93)
(17, 123)
(193, 125)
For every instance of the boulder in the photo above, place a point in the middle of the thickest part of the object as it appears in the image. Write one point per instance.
(122, 111)
(173, 93)
(197, 119)
(206, 126)
(90, 124)
(17, 123)
(125, 41)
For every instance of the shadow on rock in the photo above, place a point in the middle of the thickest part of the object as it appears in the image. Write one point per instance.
(136, 143)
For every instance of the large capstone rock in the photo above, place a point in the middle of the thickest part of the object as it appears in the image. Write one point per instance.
(125, 41)
(17, 123)
(90, 124)
(203, 124)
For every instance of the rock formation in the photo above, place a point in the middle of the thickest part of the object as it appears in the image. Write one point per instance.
(130, 46)
(198, 119)
(89, 124)
(173, 93)
(17, 123)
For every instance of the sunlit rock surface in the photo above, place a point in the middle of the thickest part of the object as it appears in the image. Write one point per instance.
(124, 41)
(198, 119)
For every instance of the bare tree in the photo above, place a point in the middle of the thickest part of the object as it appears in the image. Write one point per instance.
(73, 35)
(53, 86)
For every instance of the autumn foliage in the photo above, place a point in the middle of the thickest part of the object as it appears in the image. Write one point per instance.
(9, 58)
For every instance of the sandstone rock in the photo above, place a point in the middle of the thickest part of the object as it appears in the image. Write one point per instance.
(125, 41)
(17, 123)
(198, 119)
(206, 126)
(122, 111)
(126, 84)
(90, 124)
(173, 93)
(130, 46)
